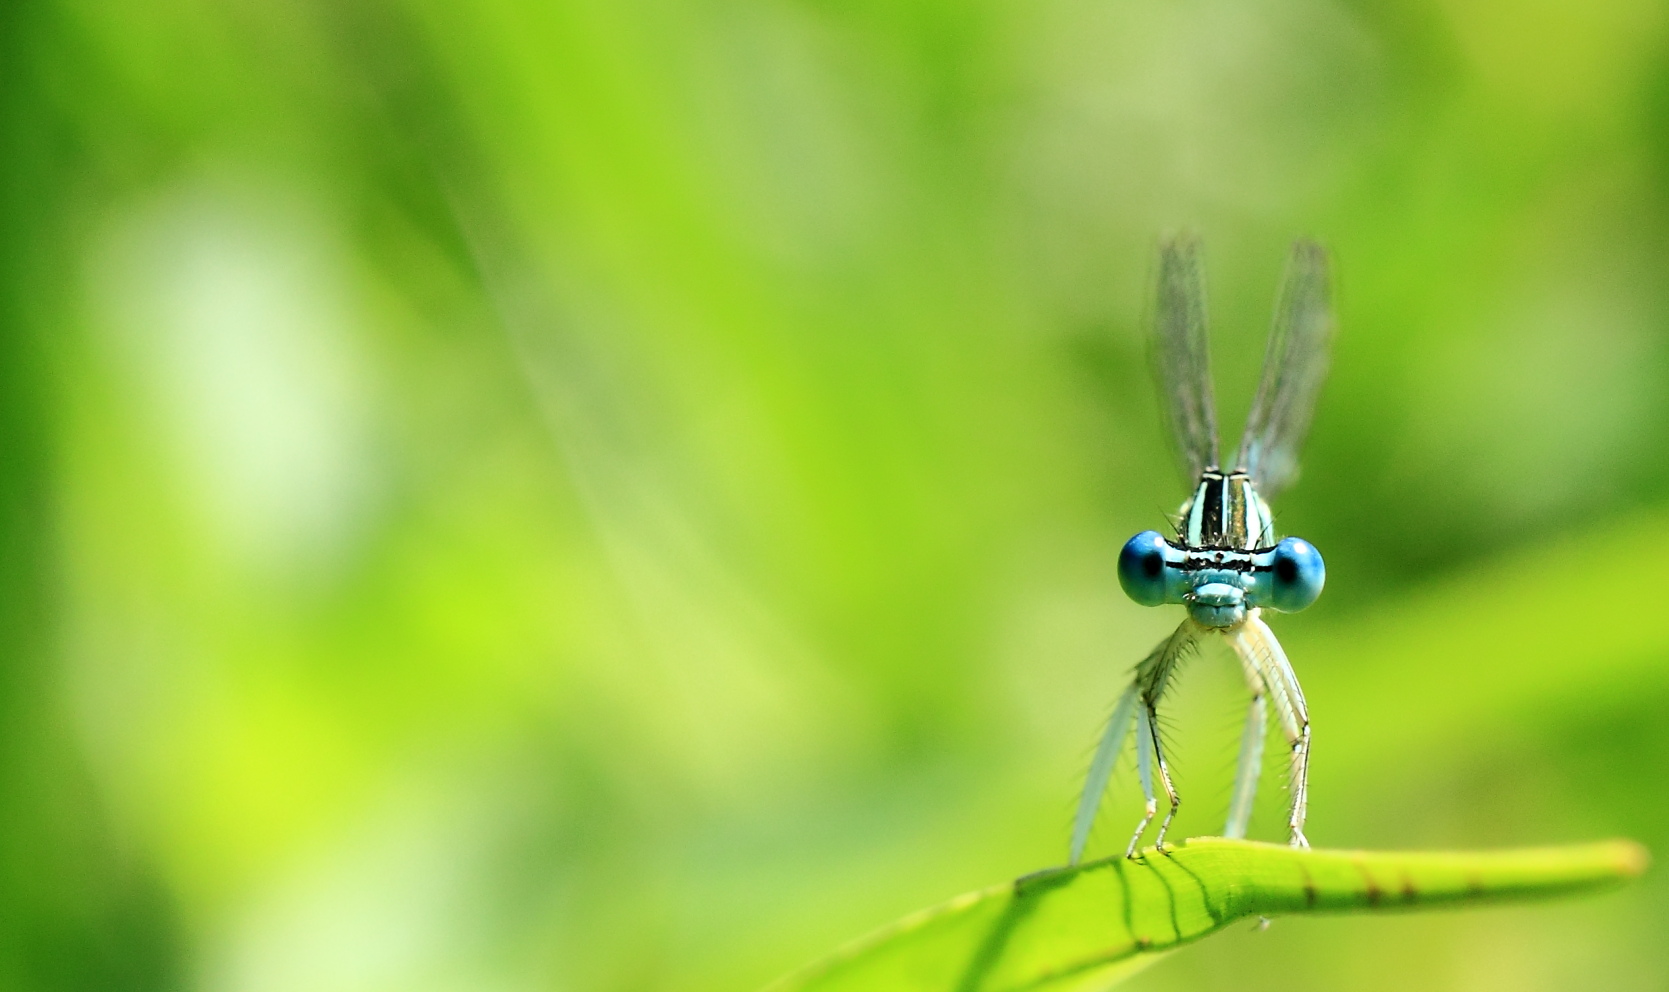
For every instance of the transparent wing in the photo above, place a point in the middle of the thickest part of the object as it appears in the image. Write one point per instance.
(1293, 369)
(1182, 358)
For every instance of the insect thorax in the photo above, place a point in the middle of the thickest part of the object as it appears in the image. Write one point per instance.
(1225, 512)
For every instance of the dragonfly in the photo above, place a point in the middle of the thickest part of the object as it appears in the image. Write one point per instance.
(1225, 563)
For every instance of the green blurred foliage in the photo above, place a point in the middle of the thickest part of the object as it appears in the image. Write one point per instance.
(623, 495)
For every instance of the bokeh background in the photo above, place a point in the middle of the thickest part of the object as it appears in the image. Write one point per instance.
(623, 494)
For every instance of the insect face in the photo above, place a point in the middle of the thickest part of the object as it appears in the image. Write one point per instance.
(1219, 585)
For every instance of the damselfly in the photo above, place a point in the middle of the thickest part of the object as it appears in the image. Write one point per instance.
(1225, 564)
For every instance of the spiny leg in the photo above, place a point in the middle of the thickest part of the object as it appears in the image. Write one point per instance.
(1248, 767)
(1164, 775)
(1144, 771)
(1296, 723)
(1300, 788)
(1258, 648)
(1147, 684)
(1101, 770)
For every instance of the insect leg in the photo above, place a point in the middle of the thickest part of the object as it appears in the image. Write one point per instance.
(1101, 770)
(1300, 789)
(1249, 766)
(1258, 647)
(1144, 770)
(1148, 682)
(1164, 775)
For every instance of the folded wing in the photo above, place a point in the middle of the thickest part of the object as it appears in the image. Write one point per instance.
(1294, 366)
(1181, 356)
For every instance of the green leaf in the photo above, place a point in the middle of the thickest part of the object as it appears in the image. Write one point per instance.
(1086, 927)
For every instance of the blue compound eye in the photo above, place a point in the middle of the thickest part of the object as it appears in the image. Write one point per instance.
(1299, 575)
(1141, 568)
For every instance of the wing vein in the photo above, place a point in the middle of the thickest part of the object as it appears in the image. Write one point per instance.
(1182, 357)
(1294, 366)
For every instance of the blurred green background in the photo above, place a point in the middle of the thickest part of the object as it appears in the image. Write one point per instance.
(623, 495)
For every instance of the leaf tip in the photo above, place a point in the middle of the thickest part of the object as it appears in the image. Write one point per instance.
(1632, 858)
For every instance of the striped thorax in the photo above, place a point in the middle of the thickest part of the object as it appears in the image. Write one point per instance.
(1225, 513)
